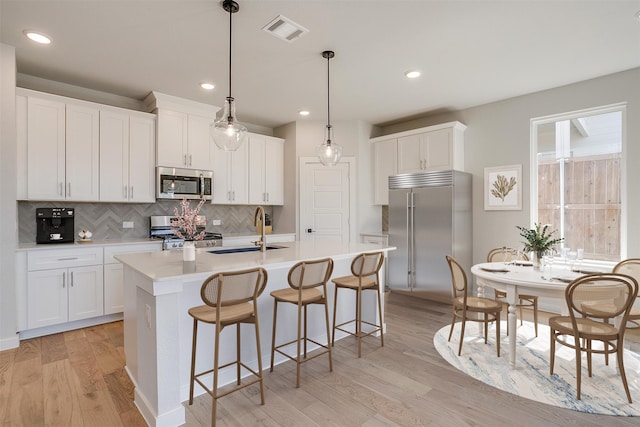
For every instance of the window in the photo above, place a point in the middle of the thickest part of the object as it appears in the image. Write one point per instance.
(577, 177)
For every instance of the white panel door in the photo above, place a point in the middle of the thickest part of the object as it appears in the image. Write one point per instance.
(199, 144)
(172, 139)
(324, 202)
(257, 153)
(438, 150)
(274, 172)
(239, 179)
(82, 153)
(86, 292)
(410, 157)
(113, 288)
(45, 149)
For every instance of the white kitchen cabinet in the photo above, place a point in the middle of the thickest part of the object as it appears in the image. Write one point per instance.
(230, 183)
(266, 170)
(182, 131)
(127, 143)
(71, 291)
(384, 166)
(433, 148)
(114, 277)
(62, 150)
(378, 239)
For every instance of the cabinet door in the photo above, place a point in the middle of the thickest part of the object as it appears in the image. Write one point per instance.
(172, 139)
(86, 292)
(45, 149)
(46, 297)
(257, 190)
(142, 147)
(410, 158)
(384, 166)
(113, 288)
(114, 156)
(274, 172)
(437, 147)
(82, 153)
(199, 147)
(221, 172)
(239, 177)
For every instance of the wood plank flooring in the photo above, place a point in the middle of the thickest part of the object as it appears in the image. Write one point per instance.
(77, 379)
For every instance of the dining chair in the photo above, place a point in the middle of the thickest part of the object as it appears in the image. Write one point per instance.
(505, 254)
(365, 276)
(487, 310)
(307, 286)
(631, 267)
(229, 299)
(615, 293)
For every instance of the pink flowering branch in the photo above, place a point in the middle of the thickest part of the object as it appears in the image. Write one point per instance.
(185, 224)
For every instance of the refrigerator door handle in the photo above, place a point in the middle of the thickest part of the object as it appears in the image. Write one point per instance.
(412, 249)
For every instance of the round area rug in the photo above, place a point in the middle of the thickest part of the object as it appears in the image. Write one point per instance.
(603, 393)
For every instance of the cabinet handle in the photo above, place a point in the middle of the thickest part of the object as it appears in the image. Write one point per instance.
(190, 159)
(64, 278)
(229, 195)
(234, 195)
(125, 191)
(71, 281)
(131, 194)
(185, 160)
(69, 189)
(61, 188)
(267, 197)
(68, 259)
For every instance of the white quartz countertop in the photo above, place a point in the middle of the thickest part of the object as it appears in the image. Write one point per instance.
(76, 244)
(168, 265)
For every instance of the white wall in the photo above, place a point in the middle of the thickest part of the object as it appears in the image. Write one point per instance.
(498, 134)
(8, 207)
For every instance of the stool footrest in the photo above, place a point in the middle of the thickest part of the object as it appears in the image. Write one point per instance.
(214, 393)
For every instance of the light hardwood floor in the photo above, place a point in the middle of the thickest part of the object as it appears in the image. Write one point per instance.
(77, 379)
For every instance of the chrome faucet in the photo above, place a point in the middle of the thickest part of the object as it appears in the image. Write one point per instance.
(259, 215)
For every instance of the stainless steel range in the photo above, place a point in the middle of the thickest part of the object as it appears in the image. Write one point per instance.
(160, 228)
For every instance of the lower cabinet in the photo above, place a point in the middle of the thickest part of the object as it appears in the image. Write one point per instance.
(64, 295)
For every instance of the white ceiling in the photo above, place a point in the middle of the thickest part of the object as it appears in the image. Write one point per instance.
(469, 52)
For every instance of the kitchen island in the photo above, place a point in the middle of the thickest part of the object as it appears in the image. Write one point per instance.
(160, 288)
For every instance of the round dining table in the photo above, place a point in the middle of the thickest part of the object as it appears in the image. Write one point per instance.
(517, 279)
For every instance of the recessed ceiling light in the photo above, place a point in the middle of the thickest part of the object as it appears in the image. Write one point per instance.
(412, 74)
(207, 86)
(37, 36)
(303, 113)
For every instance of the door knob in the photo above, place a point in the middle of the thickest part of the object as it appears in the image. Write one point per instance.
(310, 230)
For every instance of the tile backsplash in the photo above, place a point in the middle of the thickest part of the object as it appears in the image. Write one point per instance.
(105, 220)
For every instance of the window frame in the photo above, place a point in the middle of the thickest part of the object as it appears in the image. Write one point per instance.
(533, 166)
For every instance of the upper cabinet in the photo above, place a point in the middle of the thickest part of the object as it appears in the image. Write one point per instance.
(183, 131)
(230, 183)
(82, 151)
(433, 148)
(266, 170)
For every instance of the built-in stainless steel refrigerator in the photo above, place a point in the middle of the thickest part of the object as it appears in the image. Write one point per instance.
(429, 217)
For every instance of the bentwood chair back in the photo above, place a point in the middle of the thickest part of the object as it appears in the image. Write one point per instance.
(466, 307)
(593, 300)
(365, 276)
(230, 299)
(631, 267)
(307, 286)
(505, 254)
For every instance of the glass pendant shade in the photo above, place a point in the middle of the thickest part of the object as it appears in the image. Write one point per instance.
(227, 132)
(329, 153)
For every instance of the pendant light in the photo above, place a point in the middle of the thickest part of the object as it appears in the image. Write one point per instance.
(328, 152)
(227, 132)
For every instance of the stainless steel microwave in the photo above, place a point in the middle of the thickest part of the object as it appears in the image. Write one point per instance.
(174, 183)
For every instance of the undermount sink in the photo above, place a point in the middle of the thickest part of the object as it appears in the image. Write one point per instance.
(244, 249)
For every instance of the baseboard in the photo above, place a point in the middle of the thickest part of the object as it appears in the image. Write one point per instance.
(9, 343)
(69, 326)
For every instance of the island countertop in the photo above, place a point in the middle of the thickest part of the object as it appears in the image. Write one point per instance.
(168, 265)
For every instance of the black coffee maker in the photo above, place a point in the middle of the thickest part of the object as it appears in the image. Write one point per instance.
(54, 225)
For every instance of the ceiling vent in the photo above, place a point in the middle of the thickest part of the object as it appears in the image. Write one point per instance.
(285, 29)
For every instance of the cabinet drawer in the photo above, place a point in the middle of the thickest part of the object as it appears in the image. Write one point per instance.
(111, 251)
(63, 258)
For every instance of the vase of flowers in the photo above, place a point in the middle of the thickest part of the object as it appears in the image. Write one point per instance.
(538, 240)
(189, 226)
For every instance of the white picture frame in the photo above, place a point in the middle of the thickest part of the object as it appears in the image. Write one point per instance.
(503, 188)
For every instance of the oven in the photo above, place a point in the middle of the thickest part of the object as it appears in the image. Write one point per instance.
(160, 228)
(175, 183)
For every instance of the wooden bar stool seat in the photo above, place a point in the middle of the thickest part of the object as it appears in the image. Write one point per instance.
(307, 286)
(365, 269)
(230, 299)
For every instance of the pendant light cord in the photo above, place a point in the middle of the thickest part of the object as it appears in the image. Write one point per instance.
(328, 94)
(230, 23)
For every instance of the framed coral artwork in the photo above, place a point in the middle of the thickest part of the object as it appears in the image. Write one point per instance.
(503, 188)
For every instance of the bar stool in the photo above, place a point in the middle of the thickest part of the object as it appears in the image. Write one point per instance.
(305, 278)
(363, 269)
(230, 299)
